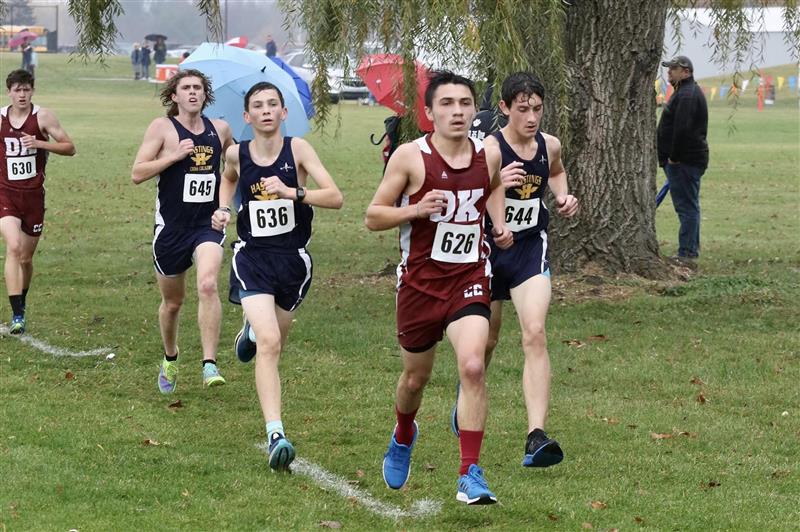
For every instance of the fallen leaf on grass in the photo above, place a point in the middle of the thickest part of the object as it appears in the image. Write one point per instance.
(574, 342)
(359, 473)
(176, 404)
(710, 484)
(430, 467)
(660, 436)
(587, 526)
(701, 398)
(149, 442)
(633, 426)
(552, 517)
(687, 434)
(638, 520)
(697, 380)
(599, 505)
(185, 493)
(779, 473)
(69, 376)
(34, 377)
(330, 524)
(610, 420)
(597, 338)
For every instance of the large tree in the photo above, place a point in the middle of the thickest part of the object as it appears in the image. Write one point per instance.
(598, 59)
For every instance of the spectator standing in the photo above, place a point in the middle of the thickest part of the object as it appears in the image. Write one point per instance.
(159, 51)
(144, 61)
(683, 152)
(27, 56)
(272, 47)
(136, 62)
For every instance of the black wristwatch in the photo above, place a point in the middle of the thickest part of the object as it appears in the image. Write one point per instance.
(301, 194)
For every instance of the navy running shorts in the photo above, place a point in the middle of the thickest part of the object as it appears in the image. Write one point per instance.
(287, 276)
(513, 266)
(173, 248)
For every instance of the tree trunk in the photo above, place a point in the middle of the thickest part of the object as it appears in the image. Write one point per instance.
(612, 50)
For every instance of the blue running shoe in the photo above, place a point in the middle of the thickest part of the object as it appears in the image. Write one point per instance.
(167, 376)
(211, 375)
(281, 452)
(472, 487)
(397, 461)
(245, 348)
(454, 413)
(17, 325)
(541, 451)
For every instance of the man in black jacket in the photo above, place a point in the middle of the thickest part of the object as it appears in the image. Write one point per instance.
(683, 152)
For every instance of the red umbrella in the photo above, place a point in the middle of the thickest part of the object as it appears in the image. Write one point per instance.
(21, 38)
(383, 76)
(239, 42)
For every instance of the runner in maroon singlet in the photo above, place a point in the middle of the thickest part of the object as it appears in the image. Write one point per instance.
(26, 130)
(437, 190)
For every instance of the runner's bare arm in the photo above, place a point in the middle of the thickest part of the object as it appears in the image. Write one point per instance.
(404, 175)
(496, 203)
(327, 194)
(50, 126)
(227, 188)
(566, 203)
(151, 159)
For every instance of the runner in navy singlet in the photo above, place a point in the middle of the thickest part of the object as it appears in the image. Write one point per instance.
(437, 190)
(531, 163)
(271, 266)
(184, 151)
(26, 130)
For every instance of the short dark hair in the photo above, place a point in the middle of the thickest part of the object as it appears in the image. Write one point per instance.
(20, 76)
(523, 83)
(445, 77)
(171, 88)
(262, 86)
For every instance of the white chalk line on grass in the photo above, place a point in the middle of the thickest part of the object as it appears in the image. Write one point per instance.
(326, 480)
(52, 350)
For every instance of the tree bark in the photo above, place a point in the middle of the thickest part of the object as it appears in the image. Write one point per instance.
(612, 50)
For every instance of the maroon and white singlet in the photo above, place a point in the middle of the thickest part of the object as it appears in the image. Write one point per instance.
(21, 168)
(444, 266)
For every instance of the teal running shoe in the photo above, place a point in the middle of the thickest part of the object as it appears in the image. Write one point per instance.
(472, 487)
(17, 325)
(211, 376)
(167, 376)
(281, 452)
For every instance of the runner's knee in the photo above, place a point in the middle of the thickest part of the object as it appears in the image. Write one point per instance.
(472, 371)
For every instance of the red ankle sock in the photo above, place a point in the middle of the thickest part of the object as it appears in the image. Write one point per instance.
(404, 433)
(470, 443)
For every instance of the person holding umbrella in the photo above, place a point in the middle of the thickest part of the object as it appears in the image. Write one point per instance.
(271, 266)
(184, 151)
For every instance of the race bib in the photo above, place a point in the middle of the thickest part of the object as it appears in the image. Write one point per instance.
(456, 243)
(271, 217)
(20, 168)
(199, 188)
(522, 214)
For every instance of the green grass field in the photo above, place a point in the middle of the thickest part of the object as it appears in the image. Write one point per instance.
(686, 416)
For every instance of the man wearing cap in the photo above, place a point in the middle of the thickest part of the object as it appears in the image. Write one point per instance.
(683, 152)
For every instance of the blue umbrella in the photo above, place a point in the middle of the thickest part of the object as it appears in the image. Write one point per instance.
(302, 87)
(662, 193)
(233, 71)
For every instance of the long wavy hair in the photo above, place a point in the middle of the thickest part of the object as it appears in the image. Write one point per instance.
(172, 87)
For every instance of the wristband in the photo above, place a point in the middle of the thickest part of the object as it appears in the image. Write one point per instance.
(226, 209)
